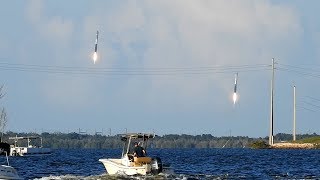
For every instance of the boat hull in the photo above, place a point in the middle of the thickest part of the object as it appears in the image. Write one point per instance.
(114, 166)
(27, 151)
(8, 172)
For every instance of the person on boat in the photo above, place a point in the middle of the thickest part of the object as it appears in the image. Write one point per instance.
(138, 151)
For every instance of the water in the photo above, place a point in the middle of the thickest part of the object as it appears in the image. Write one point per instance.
(186, 163)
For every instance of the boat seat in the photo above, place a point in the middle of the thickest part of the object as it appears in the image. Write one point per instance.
(130, 157)
(142, 160)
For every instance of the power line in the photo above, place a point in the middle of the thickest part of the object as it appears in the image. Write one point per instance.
(315, 99)
(132, 71)
(149, 71)
(306, 108)
(304, 71)
(299, 67)
(139, 68)
(316, 106)
(299, 72)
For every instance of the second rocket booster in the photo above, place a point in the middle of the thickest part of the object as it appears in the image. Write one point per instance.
(96, 44)
(235, 82)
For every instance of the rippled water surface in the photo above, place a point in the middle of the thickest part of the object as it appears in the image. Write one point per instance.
(186, 163)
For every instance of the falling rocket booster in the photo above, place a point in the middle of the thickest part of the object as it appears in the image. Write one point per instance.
(235, 82)
(96, 44)
(95, 54)
(235, 96)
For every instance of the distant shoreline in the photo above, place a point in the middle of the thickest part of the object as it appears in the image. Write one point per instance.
(287, 145)
(97, 141)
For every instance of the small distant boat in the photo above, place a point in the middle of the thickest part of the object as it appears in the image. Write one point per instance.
(130, 165)
(16, 150)
(7, 171)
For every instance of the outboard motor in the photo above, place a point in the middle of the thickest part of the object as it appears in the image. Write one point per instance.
(156, 165)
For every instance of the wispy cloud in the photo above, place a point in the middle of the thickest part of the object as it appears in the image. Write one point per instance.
(194, 34)
(55, 29)
(181, 33)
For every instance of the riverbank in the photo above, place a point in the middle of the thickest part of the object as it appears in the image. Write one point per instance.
(287, 145)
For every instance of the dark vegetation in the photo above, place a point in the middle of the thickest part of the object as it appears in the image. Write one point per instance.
(76, 140)
(260, 144)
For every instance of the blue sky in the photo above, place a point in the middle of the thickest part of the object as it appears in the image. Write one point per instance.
(159, 36)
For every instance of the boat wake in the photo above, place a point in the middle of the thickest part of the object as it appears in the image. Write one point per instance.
(135, 177)
(165, 176)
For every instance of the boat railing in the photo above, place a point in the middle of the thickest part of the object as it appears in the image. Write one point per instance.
(7, 157)
(6, 153)
(28, 138)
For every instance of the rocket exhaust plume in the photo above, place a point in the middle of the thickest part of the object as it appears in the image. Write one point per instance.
(95, 57)
(95, 54)
(235, 96)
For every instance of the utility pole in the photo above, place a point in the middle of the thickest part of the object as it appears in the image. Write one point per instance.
(294, 113)
(271, 108)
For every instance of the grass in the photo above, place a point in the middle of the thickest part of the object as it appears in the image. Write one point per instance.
(314, 140)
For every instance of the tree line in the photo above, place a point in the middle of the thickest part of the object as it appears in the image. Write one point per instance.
(76, 140)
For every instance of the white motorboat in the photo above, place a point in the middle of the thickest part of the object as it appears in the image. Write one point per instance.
(16, 150)
(130, 165)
